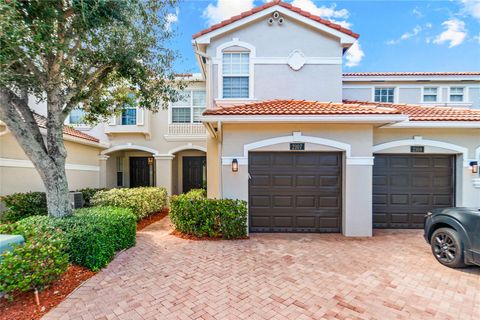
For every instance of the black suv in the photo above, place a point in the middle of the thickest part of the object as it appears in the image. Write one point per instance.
(454, 235)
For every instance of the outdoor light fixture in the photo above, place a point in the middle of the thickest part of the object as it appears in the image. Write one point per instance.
(234, 165)
(474, 166)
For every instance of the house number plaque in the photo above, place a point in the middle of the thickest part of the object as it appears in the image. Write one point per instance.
(417, 149)
(297, 146)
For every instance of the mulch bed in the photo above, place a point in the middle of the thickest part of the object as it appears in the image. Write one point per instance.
(24, 307)
(186, 236)
(151, 219)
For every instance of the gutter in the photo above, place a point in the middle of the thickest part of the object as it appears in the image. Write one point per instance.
(434, 124)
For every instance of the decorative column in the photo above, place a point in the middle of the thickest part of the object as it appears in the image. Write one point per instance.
(103, 170)
(357, 217)
(163, 172)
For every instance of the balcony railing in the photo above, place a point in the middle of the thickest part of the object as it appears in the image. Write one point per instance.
(186, 129)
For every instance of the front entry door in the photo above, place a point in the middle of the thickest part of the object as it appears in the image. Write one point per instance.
(194, 173)
(139, 172)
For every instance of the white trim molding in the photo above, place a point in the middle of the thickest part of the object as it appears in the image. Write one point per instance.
(419, 141)
(129, 146)
(434, 124)
(345, 39)
(20, 163)
(360, 161)
(186, 147)
(297, 137)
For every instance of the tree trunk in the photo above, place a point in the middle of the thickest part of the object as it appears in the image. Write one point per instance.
(56, 189)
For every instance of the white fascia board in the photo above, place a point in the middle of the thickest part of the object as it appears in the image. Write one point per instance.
(408, 78)
(344, 38)
(305, 118)
(434, 124)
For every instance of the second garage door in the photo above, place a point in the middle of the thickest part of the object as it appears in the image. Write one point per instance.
(405, 187)
(295, 191)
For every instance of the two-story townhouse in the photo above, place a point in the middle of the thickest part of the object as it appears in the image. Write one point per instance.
(456, 89)
(309, 148)
(306, 158)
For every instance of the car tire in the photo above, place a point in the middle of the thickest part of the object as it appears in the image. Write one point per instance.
(447, 247)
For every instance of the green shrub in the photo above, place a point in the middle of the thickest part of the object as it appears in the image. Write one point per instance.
(92, 235)
(37, 262)
(88, 193)
(22, 205)
(209, 217)
(143, 201)
(197, 194)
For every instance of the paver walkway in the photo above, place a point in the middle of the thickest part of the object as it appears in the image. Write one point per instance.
(276, 276)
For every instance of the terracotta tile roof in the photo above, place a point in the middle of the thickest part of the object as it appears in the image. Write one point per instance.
(400, 74)
(299, 107)
(42, 123)
(284, 5)
(417, 112)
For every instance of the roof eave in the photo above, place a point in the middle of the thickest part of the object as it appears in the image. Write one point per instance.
(434, 124)
(345, 39)
(342, 118)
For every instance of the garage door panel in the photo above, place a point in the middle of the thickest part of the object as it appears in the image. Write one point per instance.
(416, 184)
(295, 192)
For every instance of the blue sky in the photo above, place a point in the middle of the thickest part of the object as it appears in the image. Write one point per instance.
(394, 35)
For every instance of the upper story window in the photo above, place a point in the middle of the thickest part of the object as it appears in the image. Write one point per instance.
(456, 94)
(190, 107)
(384, 94)
(235, 73)
(76, 116)
(430, 94)
(129, 116)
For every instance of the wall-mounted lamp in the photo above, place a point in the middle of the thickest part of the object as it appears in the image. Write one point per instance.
(234, 165)
(474, 166)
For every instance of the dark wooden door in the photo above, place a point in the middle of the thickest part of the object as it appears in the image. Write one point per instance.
(194, 169)
(295, 191)
(406, 187)
(139, 172)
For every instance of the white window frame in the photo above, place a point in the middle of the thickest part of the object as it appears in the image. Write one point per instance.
(464, 94)
(395, 93)
(439, 94)
(251, 70)
(191, 106)
(236, 75)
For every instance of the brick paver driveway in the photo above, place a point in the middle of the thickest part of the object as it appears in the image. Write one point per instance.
(276, 276)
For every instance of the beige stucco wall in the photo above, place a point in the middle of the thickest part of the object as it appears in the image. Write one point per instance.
(357, 169)
(466, 194)
(17, 175)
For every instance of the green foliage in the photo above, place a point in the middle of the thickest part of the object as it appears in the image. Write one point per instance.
(22, 205)
(202, 217)
(37, 262)
(142, 201)
(88, 193)
(197, 194)
(96, 52)
(91, 236)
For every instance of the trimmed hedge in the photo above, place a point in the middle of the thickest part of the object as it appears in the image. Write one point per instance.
(88, 193)
(36, 263)
(204, 217)
(91, 236)
(22, 205)
(142, 201)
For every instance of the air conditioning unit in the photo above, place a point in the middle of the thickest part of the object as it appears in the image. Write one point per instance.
(76, 200)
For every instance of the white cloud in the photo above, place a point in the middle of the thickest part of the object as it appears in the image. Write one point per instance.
(170, 19)
(454, 34)
(225, 9)
(417, 13)
(330, 13)
(406, 35)
(472, 8)
(354, 55)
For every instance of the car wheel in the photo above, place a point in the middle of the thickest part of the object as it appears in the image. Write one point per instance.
(447, 247)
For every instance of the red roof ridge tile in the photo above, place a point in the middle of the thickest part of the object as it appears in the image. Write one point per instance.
(271, 4)
(42, 123)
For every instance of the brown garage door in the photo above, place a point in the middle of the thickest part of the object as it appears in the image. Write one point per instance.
(405, 187)
(295, 191)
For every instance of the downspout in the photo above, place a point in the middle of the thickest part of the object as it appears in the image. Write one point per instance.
(220, 151)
